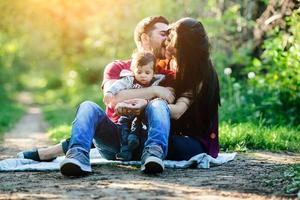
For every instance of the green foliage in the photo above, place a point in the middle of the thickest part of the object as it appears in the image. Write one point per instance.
(267, 91)
(53, 81)
(277, 80)
(57, 115)
(11, 66)
(59, 132)
(10, 113)
(61, 107)
(293, 174)
(59, 118)
(71, 95)
(59, 49)
(243, 136)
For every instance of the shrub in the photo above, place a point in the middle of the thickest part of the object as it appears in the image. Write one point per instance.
(277, 80)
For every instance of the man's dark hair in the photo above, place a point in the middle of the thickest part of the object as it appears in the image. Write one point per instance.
(146, 26)
(142, 58)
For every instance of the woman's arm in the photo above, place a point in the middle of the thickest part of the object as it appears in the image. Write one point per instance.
(181, 105)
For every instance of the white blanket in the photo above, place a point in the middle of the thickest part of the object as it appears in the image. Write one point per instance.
(199, 161)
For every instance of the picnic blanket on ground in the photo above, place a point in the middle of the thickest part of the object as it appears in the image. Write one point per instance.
(198, 161)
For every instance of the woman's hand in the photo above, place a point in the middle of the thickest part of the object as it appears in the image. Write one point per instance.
(131, 107)
(166, 93)
(178, 109)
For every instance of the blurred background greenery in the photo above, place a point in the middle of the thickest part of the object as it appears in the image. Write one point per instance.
(58, 49)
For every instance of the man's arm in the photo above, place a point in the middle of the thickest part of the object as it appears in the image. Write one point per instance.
(136, 106)
(147, 93)
(143, 93)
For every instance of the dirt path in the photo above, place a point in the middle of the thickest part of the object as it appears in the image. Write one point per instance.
(29, 132)
(255, 175)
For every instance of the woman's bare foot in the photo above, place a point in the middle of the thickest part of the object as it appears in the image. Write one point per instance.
(43, 154)
(51, 152)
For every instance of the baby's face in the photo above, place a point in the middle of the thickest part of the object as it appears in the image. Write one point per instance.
(144, 74)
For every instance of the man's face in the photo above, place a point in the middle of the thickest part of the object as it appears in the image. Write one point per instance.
(156, 40)
(144, 74)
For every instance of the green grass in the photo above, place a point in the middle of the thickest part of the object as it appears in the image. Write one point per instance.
(243, 136)
(59, 107)
(233, 136)
(10, 113)
(293, 174)
(57, 115)
(59, 118)
(60, 132)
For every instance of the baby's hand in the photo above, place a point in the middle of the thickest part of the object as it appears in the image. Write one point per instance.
(109, 100)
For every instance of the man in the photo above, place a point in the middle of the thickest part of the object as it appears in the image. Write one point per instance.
(92, 123)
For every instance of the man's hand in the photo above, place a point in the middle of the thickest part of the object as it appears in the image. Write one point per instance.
(109, 100)
(166, 93)
(131, 107)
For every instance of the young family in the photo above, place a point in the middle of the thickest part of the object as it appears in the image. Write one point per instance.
(167, 96)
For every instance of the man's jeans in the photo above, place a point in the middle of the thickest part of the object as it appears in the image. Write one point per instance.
(91, 123)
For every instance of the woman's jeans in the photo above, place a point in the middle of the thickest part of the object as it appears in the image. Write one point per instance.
(92, 124)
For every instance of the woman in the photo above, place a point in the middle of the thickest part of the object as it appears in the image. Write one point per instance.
(196, 111)
(194, 127)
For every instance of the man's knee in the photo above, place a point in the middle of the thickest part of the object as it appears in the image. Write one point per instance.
(157, 104)
(90, 106)
(89, 109)
(157, 110)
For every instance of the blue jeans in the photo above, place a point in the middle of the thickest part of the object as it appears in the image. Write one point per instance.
(92, 124)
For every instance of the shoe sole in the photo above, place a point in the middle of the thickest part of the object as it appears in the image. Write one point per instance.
(153, 165)
(71, 167)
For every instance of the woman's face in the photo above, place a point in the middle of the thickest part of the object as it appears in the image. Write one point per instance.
(170, 44)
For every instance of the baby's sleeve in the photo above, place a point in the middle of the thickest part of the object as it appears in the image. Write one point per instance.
(121, 84)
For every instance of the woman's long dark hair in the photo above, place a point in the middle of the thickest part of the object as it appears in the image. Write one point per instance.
(195, 71)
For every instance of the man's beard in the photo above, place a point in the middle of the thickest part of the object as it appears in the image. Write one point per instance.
(159, 53)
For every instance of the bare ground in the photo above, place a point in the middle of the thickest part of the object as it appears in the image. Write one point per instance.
(254, 175)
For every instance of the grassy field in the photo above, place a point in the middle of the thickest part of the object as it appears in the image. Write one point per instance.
(10, 113)
(233, 137)
(59, 119)
(244, 136)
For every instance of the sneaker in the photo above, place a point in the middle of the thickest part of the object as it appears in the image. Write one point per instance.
(152, 162)
(76, 163)
(33, 155)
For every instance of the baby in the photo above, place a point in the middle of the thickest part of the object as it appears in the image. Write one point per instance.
(143, 67)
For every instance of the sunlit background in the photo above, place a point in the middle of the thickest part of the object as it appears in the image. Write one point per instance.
(58, 49)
